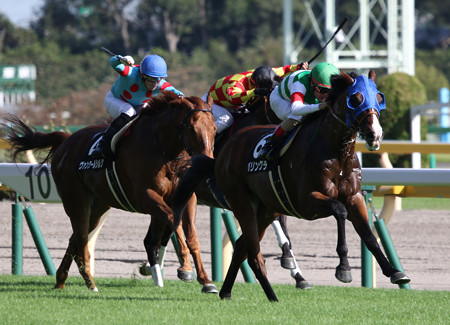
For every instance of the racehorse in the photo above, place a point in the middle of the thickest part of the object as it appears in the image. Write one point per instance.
(148, 161)
(255, 112)
(319, 174)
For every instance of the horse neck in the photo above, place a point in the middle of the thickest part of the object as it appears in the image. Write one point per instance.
(340, 139)
(164, 133)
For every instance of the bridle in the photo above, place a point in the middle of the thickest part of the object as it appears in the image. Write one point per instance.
(180, 128)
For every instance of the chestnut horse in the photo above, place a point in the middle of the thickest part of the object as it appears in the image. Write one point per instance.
(319, 172)
(257, 111)
(148, 161)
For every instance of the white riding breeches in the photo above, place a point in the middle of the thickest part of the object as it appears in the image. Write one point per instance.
(284, 109)
(222, 117)
(115, 106)
(281, 107)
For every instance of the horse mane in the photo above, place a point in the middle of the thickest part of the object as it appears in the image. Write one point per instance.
(159, 103)
(339, 83)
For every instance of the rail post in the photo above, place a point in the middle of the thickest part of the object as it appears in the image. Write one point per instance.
(366, 255)
(216, 244)
(389, 248)
(39, 240)
(17, 238)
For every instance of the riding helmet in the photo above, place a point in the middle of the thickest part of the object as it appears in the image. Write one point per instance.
(154, 66)
(265, 77)
(321, 74)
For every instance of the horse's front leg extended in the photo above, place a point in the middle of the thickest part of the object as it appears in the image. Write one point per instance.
(358, 215)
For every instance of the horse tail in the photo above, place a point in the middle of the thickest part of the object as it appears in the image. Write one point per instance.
(202, 167)
(23, 138)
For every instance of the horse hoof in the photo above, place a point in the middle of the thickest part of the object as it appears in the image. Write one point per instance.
(209, 288)
(304, 285)
(343, 275)
(145, 269)
(225, 296)
(186, 276)
(400, 278)
(287, 263)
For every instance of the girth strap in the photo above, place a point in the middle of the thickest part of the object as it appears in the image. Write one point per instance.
(116, 188)
(278, 187)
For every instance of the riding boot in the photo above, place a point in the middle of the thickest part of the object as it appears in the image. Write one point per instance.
(105, 141)
(275, 142)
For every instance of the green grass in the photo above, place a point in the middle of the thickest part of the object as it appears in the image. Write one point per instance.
(416, 203)
(30, 300)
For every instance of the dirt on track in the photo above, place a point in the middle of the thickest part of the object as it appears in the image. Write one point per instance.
(421, 238)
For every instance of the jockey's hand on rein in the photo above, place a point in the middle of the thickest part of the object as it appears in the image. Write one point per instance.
(262, 91)
(324, 105)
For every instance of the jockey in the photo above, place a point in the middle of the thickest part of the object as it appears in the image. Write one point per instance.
(135, 86)
(234, 91)
(301, 93)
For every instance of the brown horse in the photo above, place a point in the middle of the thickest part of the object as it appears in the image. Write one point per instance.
(257, 111)
(148, 162)
(319, 174)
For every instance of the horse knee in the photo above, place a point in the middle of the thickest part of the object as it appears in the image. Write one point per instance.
(339, 210)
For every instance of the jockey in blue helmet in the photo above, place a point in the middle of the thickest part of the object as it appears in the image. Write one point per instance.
(134, 87)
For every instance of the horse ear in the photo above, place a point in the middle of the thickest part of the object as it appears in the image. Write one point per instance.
(347, 77)
(372, 75)
(209, 101)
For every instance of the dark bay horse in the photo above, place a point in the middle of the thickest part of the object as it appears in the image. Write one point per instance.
(320, 174)
(148, 163)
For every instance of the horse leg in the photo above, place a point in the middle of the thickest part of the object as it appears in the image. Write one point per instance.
(184, 272)
(343, 270)
(152, 241)
(288, 260)
(253, 228)
(77, 205)
(357, 214)
(279, 225)
(145, 268)
(190, 232)
(63, 271)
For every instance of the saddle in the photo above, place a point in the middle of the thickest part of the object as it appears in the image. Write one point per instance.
(108, 163)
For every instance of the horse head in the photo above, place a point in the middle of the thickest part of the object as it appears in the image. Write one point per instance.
(195, 125)
(362, 110)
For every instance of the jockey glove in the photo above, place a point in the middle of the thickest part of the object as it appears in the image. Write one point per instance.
(262, 91)
(324, 105)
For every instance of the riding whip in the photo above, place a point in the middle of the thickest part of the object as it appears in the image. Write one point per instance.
(335, 33)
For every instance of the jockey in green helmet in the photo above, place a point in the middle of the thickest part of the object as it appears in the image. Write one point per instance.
(300, 93)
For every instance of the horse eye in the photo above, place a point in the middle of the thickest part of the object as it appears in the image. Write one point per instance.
(379, 98)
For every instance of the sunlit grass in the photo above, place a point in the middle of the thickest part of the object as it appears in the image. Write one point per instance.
(31, 300)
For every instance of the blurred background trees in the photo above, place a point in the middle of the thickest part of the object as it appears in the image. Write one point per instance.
(201, 40)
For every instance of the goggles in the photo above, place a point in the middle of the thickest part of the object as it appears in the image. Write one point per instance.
(320, 90)
(150, 79)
